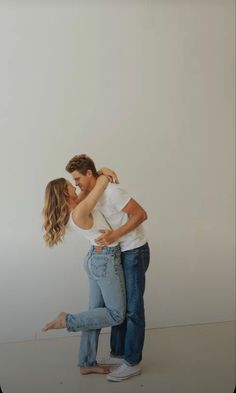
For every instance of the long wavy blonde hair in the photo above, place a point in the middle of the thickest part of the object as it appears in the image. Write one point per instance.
(56, 211)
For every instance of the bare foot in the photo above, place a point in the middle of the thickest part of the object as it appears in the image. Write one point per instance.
(94, 370)
(58, 323)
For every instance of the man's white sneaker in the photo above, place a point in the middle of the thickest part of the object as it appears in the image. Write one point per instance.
(124, 372)
(110, 361)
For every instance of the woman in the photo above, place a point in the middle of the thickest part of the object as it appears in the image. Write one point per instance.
(102, 264)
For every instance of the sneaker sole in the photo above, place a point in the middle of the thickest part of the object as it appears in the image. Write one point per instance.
(117, 379)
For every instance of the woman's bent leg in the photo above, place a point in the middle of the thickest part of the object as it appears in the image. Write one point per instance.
(105, 269)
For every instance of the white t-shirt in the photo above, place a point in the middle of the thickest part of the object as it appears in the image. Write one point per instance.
(111, 203)
(99, 222)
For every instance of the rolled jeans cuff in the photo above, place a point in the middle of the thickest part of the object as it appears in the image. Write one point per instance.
(69, 323)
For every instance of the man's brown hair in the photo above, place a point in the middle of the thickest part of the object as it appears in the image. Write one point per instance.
(81, 163)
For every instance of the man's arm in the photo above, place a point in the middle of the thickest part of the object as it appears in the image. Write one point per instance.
(136, 215)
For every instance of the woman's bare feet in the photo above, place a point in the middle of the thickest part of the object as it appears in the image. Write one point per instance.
(94, 370)
(58, 323)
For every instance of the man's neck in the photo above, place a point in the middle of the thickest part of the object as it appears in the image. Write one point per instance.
(92, 184)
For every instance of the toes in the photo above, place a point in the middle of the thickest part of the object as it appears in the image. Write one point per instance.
(48, 326)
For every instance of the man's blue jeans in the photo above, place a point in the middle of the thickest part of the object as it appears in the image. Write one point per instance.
(106, 300)
(127, 339)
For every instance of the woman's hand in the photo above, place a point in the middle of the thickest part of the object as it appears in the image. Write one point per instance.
(111, 175)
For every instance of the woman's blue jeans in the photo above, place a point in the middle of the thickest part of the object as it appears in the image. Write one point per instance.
(127, 339)
(107, 302)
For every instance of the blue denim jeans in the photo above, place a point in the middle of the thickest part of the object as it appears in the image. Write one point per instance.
(107, 301)
(127, 339)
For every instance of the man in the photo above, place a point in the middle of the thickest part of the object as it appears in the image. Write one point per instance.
(125, 217)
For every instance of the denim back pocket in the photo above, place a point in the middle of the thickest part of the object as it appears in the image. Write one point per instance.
(98, 265)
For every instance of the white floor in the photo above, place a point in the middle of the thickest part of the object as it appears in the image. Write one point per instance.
(196, 359)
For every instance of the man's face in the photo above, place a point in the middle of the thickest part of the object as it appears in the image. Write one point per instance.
(83, 181)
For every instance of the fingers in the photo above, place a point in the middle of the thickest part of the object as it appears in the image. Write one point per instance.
(101, 241)
(115, 178)
(100, 237)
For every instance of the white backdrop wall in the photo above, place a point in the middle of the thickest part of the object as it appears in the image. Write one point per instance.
(146, 88)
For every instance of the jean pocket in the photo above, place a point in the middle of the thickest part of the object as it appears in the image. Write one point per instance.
(98, 265)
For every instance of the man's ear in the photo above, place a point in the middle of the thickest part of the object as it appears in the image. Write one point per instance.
(89, 173)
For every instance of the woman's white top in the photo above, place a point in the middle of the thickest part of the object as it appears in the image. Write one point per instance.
(99, 222)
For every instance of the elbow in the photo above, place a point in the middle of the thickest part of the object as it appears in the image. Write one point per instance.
(144, 216)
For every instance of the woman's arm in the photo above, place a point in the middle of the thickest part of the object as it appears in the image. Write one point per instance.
(86, 206)
(81, 196)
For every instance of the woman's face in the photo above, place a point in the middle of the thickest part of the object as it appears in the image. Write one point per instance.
(71, 190)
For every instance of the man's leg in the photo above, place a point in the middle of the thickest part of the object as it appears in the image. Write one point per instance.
(128, 340)
(136, 263)
(117, 339)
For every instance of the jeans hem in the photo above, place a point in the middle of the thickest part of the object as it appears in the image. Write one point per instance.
(116, 356)
(131, 364)
(87, 364)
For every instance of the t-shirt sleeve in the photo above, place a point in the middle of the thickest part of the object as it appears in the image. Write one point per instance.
(118, 196)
